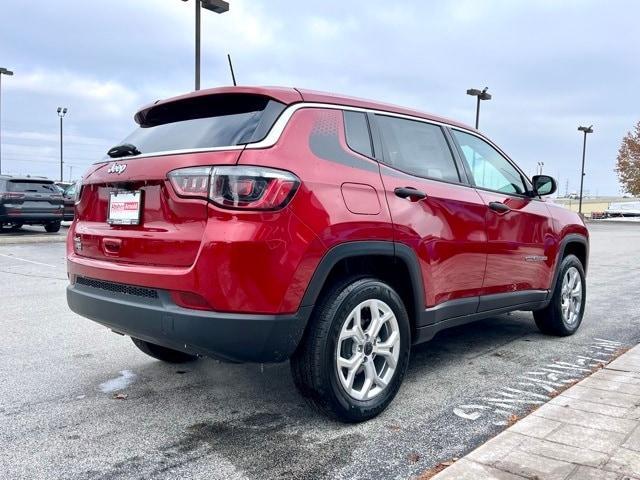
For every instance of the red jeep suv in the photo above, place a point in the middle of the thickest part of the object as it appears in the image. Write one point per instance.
(264, 224)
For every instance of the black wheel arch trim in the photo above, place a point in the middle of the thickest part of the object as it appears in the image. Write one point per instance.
(567, 239)
(364, 248)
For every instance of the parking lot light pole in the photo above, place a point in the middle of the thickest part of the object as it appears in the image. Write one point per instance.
(61, 113)
(217, 6)
(585, 130)
(3, 71)
(481, 95)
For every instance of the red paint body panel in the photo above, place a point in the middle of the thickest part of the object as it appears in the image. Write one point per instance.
(446, 230)
(517, 243)
(319, 202)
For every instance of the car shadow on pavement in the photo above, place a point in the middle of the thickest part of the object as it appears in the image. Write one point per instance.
(252, 416)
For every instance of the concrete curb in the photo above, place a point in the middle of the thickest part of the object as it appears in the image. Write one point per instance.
(589, 431)
(37, 238)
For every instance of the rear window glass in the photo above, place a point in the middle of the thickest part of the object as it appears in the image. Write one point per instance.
(31, 186)
(205, 122)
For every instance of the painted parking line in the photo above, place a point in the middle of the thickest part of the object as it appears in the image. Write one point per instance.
(28, 261)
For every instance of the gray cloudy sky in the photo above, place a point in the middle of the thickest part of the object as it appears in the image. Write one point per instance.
(550, 65)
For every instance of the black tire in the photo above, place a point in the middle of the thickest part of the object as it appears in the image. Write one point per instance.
(550, 320)
(313, 365)
(52, 227)
(15, 227)
(163, 353)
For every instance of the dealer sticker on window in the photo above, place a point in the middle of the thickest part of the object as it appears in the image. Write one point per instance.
(124, 208)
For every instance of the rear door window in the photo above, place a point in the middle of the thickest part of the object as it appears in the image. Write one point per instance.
(357, 132)
(417, 148)
(221, 120)
(31, 186)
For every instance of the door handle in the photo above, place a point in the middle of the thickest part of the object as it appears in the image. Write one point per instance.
(410, 193)
(499, 207)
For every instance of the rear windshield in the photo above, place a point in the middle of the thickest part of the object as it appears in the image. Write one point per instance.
(204, 122)
(31, 186)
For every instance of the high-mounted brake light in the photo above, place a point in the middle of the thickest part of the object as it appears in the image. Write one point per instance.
(237, 187)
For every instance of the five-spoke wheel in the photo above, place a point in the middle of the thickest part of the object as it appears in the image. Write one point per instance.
(563, 315)
(355, 352)
(367, 349)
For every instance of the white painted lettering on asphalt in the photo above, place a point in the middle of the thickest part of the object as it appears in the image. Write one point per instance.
(541, 384)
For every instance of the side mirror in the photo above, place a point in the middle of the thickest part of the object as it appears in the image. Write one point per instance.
(544, 184)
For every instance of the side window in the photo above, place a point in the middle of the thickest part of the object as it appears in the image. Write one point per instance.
(417, 148)
(357, 132)
(489, 168)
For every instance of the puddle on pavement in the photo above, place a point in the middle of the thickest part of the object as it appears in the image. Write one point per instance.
(126, 378)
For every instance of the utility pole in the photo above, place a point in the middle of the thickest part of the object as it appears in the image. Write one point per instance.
(217, 6)
(3, 71)
(482, 95)
(585, 130)
(61, 113)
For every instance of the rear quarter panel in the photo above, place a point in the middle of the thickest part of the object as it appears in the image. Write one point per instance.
(341, 198)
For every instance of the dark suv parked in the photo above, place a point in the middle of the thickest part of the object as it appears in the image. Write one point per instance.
(30, 201)
(266, 224)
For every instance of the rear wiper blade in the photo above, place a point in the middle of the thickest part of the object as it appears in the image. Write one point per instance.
(124, 150)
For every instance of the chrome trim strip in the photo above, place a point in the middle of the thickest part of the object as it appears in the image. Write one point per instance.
(164, 153)
(285, 116)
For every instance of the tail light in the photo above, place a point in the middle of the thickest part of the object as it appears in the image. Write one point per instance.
(78, 192)
(191, 182)
(11, 196)
(237, 187)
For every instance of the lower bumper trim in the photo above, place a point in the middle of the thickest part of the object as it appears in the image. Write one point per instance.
(225, 336)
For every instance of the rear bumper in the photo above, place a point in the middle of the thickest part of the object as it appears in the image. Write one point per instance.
(26, 217)
(230, 337)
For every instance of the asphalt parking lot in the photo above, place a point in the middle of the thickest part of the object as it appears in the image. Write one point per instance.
(79, 402)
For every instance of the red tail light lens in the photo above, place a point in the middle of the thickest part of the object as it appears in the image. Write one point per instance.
(252, 188)
(191, 182)
(237, 187)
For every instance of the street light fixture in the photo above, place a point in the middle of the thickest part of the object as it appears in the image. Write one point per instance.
(585, 130)
(482, 95)
(216, 6)
(61, 113)
(3, 71)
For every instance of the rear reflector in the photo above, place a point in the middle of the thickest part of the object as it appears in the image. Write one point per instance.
(190, 300)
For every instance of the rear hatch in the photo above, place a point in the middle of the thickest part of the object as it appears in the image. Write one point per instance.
(168, 229)
(36, 197)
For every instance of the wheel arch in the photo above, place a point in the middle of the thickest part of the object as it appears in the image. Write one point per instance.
(391, 262)
(572, 244)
